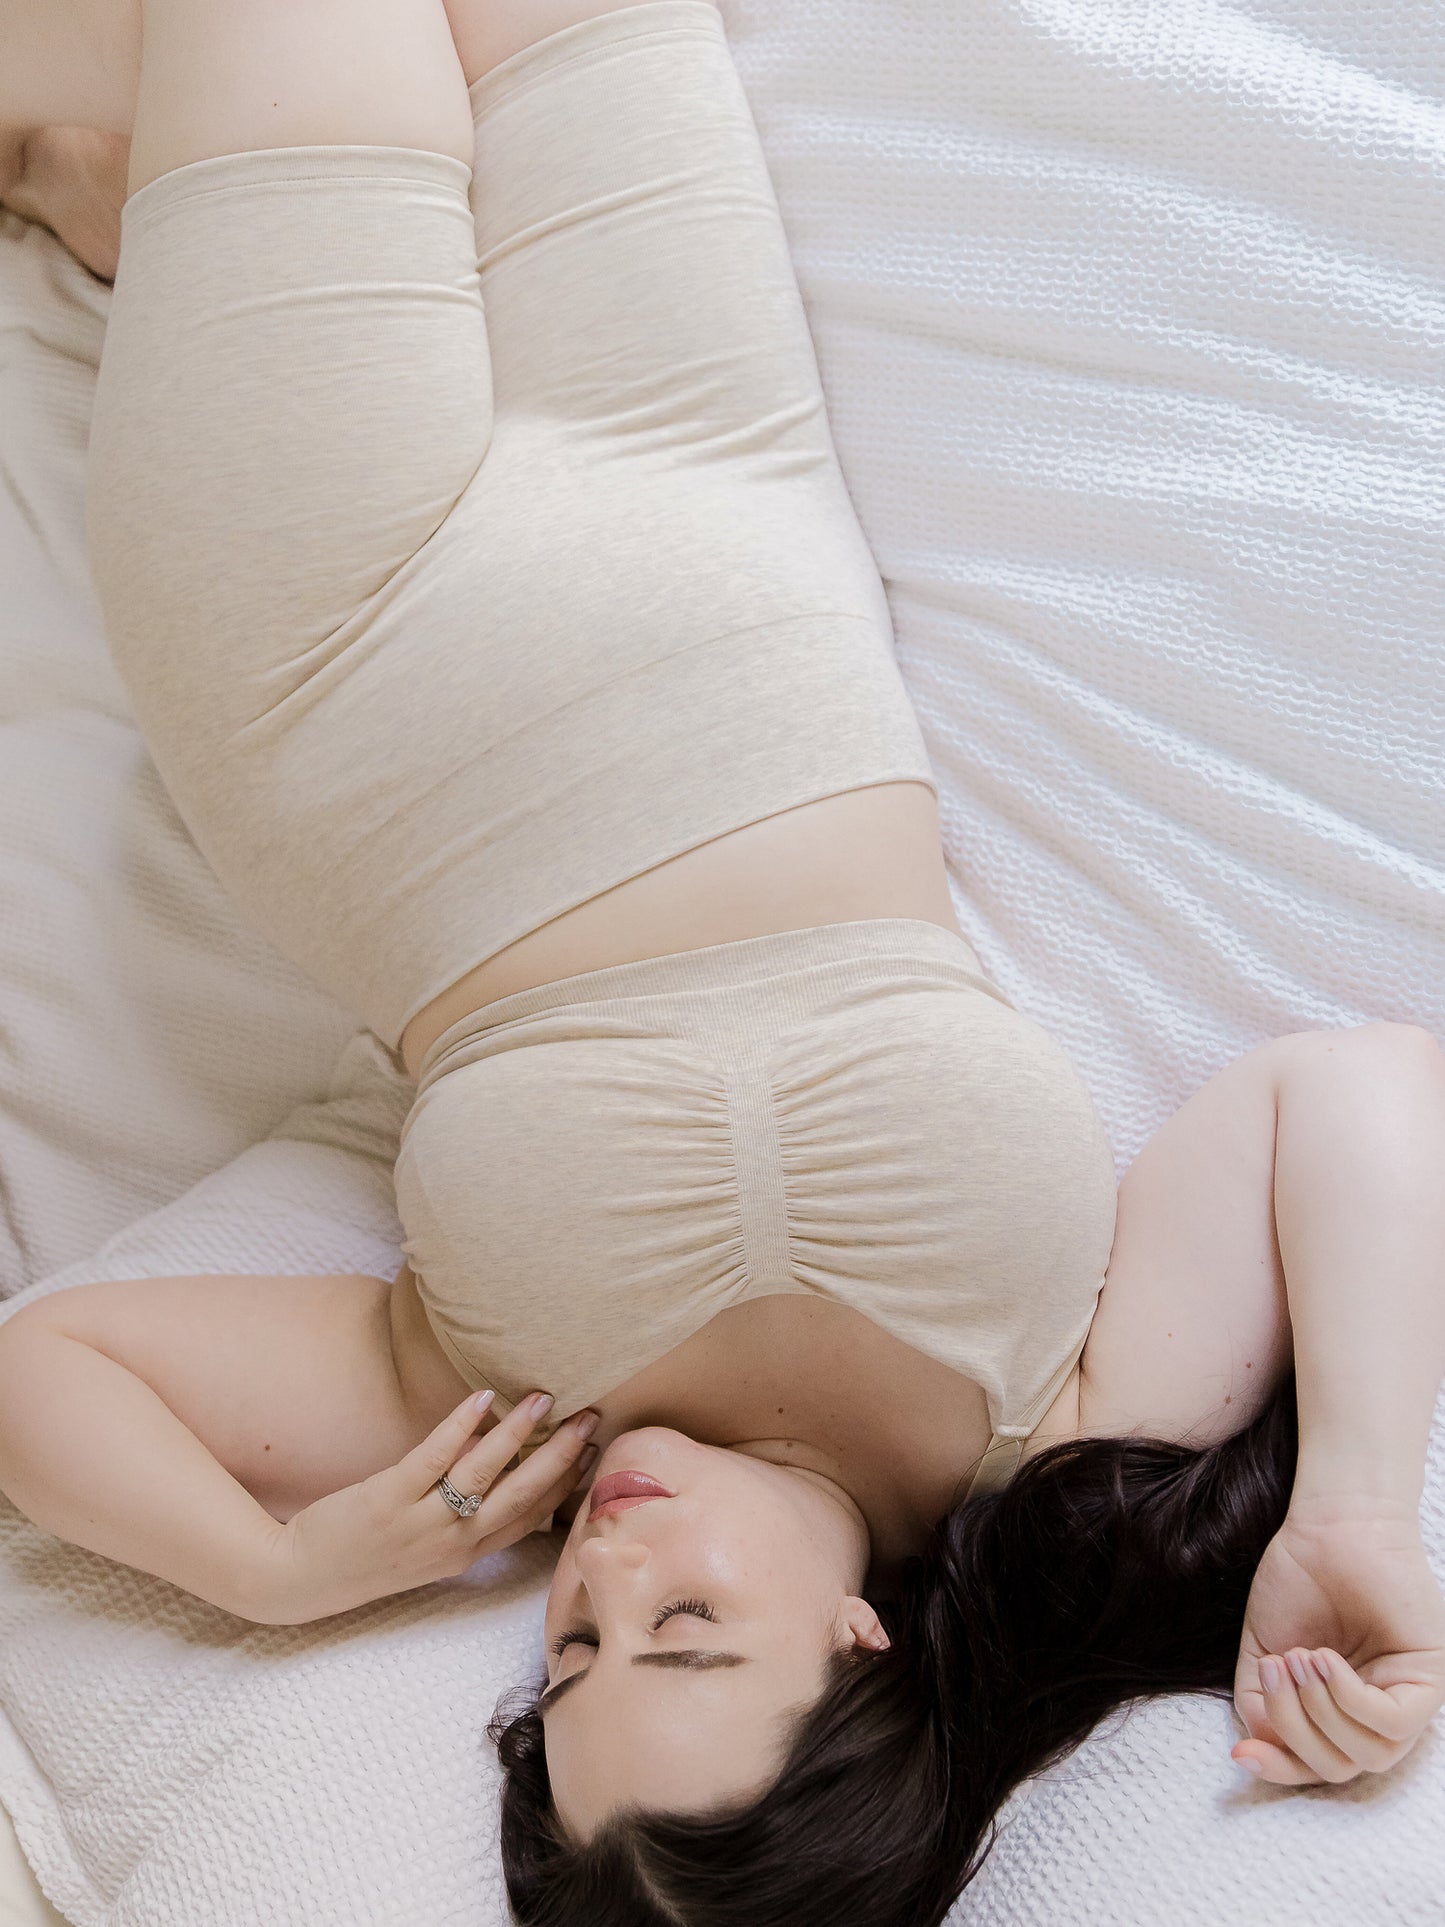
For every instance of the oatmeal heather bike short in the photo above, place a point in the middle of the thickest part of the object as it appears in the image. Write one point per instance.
(470, 541)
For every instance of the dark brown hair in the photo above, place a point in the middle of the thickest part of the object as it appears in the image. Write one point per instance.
(1107, 1570)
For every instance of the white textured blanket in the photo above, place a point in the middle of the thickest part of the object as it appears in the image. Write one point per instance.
(1131, 318)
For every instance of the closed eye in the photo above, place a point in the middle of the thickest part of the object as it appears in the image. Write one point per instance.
(564, 1640)
(693, 1608)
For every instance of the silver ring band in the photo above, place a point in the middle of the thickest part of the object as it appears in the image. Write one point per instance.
(464, 1508)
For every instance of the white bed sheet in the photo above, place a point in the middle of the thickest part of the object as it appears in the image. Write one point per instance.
(1131, 320)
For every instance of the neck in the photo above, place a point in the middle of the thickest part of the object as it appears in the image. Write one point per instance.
(888, 1526)
(813, 1384)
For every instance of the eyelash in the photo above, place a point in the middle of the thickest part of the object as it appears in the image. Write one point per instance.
(696, 1608)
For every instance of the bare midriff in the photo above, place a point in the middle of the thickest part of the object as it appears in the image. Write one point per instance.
(863, 854)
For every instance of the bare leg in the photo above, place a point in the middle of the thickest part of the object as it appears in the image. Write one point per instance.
(221, 78)
(72, 181)
(68, 63)
(70, 81)
(76, 63)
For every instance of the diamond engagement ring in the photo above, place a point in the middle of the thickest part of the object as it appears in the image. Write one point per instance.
(464, 1508)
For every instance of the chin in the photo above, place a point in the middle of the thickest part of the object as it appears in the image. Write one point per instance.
(646, 1448)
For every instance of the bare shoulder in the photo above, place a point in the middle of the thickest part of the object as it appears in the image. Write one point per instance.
(290, 1382)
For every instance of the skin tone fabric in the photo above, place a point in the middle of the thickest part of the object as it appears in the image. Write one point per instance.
(546, 573)
(404, 736)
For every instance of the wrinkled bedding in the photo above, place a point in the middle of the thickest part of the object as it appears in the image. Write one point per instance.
(1131, 320)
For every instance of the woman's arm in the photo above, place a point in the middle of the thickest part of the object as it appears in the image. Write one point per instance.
(72, 181)
(89, 1453)
(1296, 1202)
(149, 1420)
(174, 1423)
(1361, 1218)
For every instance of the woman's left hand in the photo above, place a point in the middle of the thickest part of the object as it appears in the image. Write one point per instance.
(1342, 1661)
(395, 1530)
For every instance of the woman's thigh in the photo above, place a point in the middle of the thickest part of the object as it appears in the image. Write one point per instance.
(218, 77)
(78, 64)
(367, 639)
(69, 63)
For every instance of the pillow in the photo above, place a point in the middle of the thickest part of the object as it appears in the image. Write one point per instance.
(1128, 321)
(149, 1033)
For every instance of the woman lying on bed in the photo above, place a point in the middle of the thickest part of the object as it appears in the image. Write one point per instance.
(470, 537)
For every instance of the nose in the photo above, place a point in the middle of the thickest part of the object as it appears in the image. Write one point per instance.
(604, 1550)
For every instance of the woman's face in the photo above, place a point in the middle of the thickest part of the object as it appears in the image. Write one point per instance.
(688, 1622)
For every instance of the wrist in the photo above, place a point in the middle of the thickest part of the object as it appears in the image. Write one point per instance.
(1358, 1454)
(1349, 1489)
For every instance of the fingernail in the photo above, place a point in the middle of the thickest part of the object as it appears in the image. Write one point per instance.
(539, 1404)
(1250, 1765)
(1297, 1667)
(1321, 1664)
(587, 1459)
(1269, 1675)
(482, 1401)
(587, 1425)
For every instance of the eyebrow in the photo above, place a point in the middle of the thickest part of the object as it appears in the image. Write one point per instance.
(690, 1659)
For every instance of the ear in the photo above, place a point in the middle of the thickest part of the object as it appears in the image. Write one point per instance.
(866, 1627)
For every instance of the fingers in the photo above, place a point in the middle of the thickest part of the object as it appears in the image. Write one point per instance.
(485, 1462)
(519, 1492)
(1276, 1766)
(523, 1522)
(1308, 1702)
(1283, 1703)
(418, 1472)
(1396, 1714)
(1367, 1750)
(1331, 1694)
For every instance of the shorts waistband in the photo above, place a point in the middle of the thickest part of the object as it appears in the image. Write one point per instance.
(863, 944)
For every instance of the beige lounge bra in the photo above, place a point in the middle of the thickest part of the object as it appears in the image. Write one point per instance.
(595, 1168)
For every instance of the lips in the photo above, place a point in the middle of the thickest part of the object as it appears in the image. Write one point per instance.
(620, 1491)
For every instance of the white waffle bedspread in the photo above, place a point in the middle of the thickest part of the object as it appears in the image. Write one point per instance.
(1131, 317)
